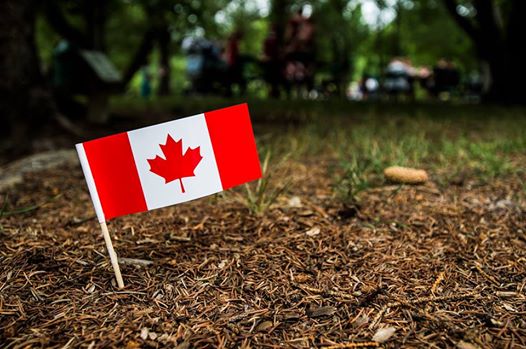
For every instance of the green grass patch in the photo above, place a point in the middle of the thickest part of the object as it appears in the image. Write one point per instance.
(361, 139)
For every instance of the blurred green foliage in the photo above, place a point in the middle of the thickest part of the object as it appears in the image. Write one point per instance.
(421, 30)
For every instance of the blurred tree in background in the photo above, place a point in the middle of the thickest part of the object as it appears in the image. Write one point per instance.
(137, 29)
(428, 33)
(496, 28)
(25, 99)
(352, 38)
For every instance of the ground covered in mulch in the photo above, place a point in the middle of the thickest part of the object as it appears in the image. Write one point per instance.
(413, 266)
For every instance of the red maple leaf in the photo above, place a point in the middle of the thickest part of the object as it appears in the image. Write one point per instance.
(175, 165)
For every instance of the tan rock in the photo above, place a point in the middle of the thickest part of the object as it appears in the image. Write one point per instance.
(405, 175)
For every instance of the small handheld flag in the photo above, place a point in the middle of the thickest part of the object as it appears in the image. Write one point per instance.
(169, 163)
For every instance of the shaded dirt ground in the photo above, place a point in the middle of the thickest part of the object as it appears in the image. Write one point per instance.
(442, 266)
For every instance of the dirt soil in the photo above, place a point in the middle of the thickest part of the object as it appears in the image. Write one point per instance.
(415, 266)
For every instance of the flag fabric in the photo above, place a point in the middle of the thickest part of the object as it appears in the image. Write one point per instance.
(170, 163)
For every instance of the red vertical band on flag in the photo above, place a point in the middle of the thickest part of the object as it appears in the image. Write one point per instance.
(234, 145)
(115, 174)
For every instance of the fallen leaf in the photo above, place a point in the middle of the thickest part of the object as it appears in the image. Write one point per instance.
(361, 320)
(183, 345)
(501, 204)
(305, 213)
(466, 345)
(264, 326)
(496, 322)
(313, 231)
(508, 307)
(383, 334)
(291, 316)
(301, 278)
(132, 345)
(295, 202)
(321, 311)
(144, 333)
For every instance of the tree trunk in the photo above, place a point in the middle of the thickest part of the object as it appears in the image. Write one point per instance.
(341, 47)
(279, 16)
(92, 38)
(517, 50)
(398, 30)
(60, 24)
(501, 48)
(98, 96)
(140, 57)
(28, 102)
(164, 62)
(95, 18)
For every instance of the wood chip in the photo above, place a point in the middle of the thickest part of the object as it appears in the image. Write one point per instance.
(313, 231)
(183, 345)
(504, 294)
(291, 316)
(321, 311)
(383, 334)
(135, 261)
(264, 326)
(144, 333)
(466, 345)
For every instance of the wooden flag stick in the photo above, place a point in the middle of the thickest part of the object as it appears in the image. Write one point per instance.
(113, 255)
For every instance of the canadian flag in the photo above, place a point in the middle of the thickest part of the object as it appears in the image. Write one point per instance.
(170, 163)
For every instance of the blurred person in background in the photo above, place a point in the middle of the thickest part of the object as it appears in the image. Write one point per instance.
(399, 78)
(474, 86)
(300, 51)
(271, 63)
(445, 80)
(146, 83)
(369, 87)
(234, 63)
(205, 67)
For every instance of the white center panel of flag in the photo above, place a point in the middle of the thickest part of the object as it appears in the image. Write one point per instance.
(145, 144)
